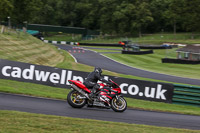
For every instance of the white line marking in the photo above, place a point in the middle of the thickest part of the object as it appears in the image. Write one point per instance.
(73, 57)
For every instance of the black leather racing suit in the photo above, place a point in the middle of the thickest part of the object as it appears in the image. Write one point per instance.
(92, 79)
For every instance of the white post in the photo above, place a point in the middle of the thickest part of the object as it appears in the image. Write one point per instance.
(2, 29)
(9, 24)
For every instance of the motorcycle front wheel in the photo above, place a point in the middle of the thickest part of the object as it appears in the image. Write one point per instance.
(119, 105)
(75, 99)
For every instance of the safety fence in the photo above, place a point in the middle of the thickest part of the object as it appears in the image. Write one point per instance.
(64, 29)
(86, 33)
(186, 95)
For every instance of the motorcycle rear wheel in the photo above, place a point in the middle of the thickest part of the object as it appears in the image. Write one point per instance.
(119, 105)
(73, 98)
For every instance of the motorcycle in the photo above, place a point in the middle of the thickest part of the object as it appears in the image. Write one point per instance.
(107, 96)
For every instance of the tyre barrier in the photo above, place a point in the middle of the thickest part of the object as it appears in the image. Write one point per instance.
(101, 44)
(120, 45)
(155, 47)
(137, 52)
(179, 61)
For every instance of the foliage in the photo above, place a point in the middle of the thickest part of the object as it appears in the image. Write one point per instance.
(5, 9)
(109, 16)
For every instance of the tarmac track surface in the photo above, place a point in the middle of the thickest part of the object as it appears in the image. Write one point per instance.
(61, 108)
(92, 58)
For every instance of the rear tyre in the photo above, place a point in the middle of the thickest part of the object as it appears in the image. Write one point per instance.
(75, 99)
(119, 105)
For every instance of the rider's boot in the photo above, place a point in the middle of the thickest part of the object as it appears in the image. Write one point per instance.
(92, 94)
(90, 103)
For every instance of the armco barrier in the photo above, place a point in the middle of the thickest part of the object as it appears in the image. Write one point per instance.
(186, 95)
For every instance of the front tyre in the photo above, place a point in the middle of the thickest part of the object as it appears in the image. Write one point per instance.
(75, 99)
(119, 105)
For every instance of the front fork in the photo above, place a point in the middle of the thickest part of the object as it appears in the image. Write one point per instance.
(117, 97)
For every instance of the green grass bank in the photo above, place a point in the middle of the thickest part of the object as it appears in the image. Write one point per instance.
(19, 122)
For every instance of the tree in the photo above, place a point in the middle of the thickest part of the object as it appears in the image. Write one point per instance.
(109, 16)
(25, 10)
(6, 8)
(158, 9)
(90, 14)
(174, 14)
(123, 17)
(191, 19)
(107, 7)
(142, 16)
(65, 12)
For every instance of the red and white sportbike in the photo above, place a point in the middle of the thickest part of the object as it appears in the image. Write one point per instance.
(107, 96)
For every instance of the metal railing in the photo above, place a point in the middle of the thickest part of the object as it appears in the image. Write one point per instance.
(186, 95)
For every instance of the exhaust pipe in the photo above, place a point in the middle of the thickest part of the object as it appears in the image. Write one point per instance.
(80, 91)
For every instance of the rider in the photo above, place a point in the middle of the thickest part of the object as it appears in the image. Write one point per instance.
(93, 78)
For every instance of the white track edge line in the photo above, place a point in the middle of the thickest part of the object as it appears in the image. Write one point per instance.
(73, 57)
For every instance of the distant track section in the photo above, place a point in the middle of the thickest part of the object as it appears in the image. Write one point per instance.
(92, 58)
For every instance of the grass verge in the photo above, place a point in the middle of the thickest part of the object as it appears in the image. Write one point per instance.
(19, 122)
